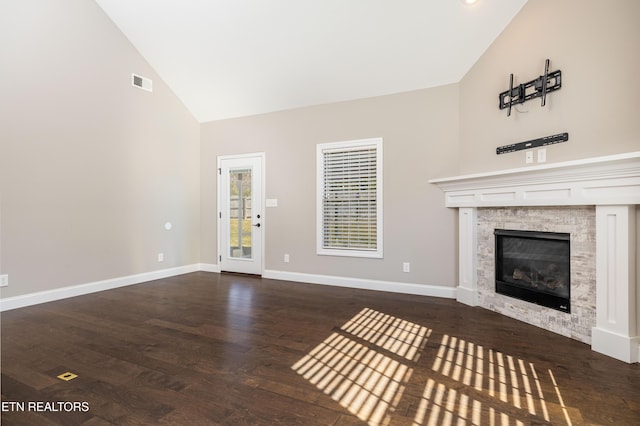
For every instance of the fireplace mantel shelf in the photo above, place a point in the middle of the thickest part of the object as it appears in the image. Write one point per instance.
(607, 180)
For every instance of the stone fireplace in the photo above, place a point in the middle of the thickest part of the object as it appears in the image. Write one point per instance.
(578, 222)
(593, 203)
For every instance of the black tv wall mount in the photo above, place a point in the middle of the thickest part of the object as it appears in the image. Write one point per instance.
(536, 88)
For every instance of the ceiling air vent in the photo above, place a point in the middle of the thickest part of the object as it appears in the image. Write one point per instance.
(141, 82)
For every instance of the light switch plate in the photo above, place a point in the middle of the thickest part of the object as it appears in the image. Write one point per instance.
(529, 157)
(542, 155)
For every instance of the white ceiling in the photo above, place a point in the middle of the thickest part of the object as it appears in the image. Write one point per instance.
(230, 58)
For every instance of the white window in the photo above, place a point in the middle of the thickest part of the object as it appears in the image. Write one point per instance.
(349, 199)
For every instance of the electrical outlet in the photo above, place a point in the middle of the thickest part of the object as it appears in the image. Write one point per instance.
(4, 280)
(406, 267)
(160, 257)
(529, 157)
(542, 155)
(286, 258)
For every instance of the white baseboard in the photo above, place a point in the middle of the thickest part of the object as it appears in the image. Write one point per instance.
(81, 289)
(466, 296)
(22, 301)
(209, 267)
(623, 348)
(366, 284)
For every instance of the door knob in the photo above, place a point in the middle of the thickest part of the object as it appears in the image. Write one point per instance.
(257, 225)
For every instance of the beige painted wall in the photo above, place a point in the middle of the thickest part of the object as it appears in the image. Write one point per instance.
(90, 167)
(420, 133)
(596, 45)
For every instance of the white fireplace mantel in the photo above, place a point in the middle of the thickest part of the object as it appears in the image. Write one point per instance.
(609, 180)
(612, 184)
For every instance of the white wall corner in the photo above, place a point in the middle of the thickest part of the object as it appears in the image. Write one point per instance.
(467, 291)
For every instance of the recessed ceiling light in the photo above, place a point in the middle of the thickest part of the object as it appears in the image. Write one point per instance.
(469, 1)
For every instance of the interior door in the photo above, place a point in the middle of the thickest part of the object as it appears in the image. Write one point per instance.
(240, 216)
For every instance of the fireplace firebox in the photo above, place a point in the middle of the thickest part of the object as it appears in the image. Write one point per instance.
(534, 267)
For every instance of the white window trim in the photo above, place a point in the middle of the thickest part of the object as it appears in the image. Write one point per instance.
(345, 145)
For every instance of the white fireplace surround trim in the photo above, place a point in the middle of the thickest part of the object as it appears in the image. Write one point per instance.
(613, 179)
(612, 184)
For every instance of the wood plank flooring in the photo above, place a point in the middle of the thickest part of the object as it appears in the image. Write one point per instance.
(207, 348)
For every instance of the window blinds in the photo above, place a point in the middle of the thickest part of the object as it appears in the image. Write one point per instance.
(349, 197)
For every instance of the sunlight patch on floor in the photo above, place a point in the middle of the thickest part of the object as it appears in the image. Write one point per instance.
(512, 384)
(393, 334)
(366, 365)
(367, 382)
(564, 407)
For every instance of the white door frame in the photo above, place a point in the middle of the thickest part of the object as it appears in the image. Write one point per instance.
(261, 157)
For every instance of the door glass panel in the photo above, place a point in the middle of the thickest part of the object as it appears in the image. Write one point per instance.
(240, 213)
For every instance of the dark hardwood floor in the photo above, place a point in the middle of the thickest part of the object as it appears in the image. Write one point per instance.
(208, 348)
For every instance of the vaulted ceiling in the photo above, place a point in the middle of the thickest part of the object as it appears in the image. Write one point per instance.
(231, 58)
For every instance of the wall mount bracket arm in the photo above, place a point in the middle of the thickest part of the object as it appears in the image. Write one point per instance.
(536, 88)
